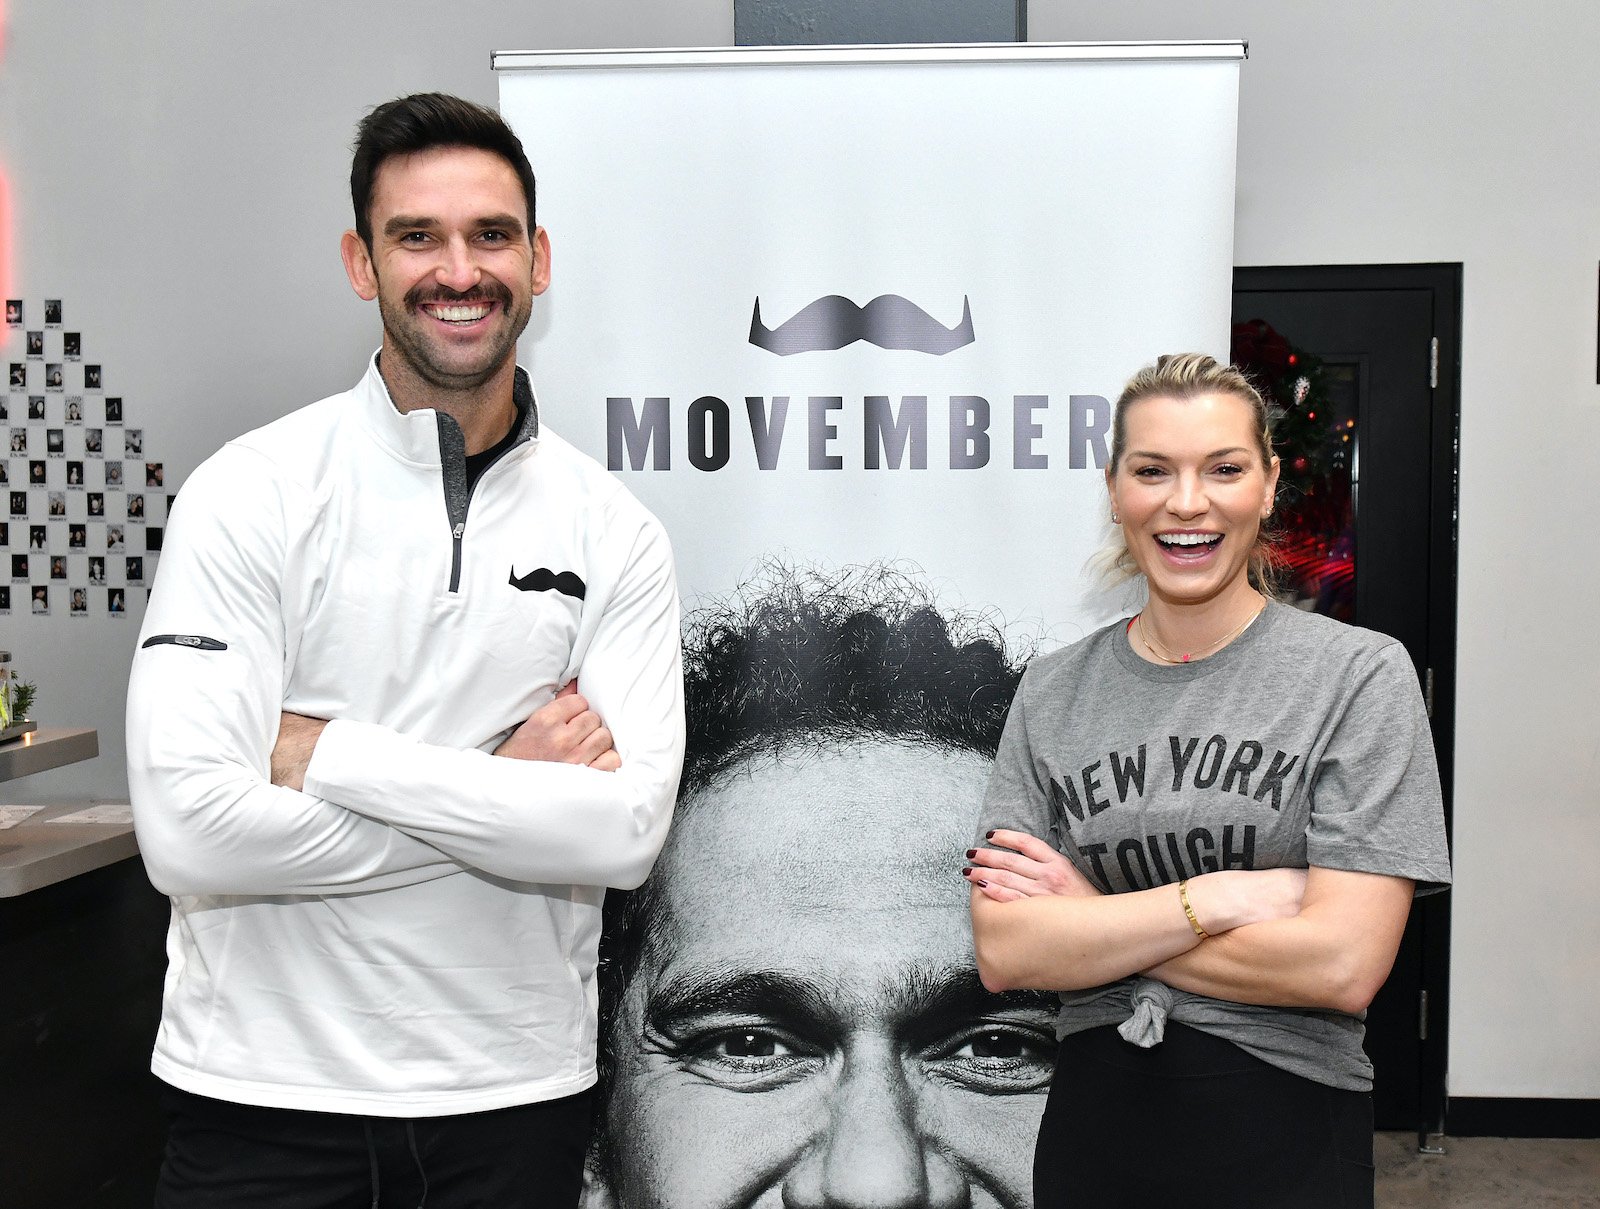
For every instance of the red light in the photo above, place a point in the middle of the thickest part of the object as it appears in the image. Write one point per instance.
(5, 236)
(1293, 360)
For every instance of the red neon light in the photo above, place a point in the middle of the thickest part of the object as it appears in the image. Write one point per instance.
(5, 236)
(5, 194)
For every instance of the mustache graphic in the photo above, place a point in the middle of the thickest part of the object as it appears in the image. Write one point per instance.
(889, 321)
(542, 579)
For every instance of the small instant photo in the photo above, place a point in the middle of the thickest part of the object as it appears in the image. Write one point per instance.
(97, 503)
(52, 312)
(97, 568)
(113, 539)
(5, 599)
(5, 533)
(5, 407)
(19, 567)
(19, 440)
(153, 475)
(36, 474)
(114, 410)
(5, 473)
(135, 569)
(55, 441)
(58, 503)
(91, 377)
(38, 537)
(41, 600)
(77, 537)
(58, 566)
(152, 539)
(71, 345)
(136, 507)
(80, 602)
(19, 375)
(75, 474)
(113, 474)
(36, 344)
(13, 312)
(114, 602)
(74, 409)
(35, 407)
(133, 442)
(55, 377)
(19, 503)
(93, 442)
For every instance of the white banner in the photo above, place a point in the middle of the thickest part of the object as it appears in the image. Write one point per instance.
(849, 322)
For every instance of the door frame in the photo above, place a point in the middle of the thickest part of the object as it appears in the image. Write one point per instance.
(1444, 280)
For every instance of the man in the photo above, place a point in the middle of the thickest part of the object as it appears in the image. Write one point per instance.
(364, 735)
(790, 1008)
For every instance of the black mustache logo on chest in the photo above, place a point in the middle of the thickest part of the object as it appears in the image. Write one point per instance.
(542, 579)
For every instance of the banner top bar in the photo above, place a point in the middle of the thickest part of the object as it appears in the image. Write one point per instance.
(783, 56)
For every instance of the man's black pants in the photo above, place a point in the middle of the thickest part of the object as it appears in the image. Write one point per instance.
(244, 1157)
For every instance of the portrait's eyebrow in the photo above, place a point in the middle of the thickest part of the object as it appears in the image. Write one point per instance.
(703, 991)
(935, 1000)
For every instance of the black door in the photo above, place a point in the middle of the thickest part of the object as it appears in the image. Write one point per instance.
(1371, 513)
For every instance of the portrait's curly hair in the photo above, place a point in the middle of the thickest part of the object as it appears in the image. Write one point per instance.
(796, 660)
(805, 658)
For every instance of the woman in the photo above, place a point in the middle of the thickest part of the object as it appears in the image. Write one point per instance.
(1205, 827)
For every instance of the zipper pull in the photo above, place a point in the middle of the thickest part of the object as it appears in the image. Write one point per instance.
(461, 527)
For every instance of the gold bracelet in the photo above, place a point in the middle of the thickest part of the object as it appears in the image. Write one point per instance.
(1183, 897)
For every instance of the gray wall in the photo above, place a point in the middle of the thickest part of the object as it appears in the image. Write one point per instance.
(1434, 131)
(177, 169)
(179, 176)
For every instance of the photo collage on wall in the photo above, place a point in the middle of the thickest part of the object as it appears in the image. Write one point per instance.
(84, 507)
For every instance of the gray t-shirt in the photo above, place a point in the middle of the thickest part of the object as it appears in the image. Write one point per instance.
(1302, 742)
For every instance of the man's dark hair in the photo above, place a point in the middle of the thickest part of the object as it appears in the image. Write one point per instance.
(795, 661)
(422, 121)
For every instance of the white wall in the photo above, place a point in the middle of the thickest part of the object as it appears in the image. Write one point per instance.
(1370, 132)
(179, 173)
(178, 177)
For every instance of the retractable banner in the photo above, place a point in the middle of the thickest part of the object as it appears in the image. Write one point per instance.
(850, 321)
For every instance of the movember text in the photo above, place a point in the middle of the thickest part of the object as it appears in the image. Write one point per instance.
(885, 434)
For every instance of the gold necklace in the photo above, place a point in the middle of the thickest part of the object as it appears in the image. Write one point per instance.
(1144, 636)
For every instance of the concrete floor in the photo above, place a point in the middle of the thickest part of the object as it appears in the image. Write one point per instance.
(1488, 1173)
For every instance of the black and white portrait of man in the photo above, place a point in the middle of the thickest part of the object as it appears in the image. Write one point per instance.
(790, 1011)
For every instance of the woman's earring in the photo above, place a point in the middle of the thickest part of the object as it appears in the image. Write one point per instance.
(1114, 519)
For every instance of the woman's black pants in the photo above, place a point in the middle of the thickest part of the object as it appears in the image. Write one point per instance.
(1196, 1122)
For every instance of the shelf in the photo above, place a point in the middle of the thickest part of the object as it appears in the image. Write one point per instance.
(53, 843)
(52, 846)
(46, 748)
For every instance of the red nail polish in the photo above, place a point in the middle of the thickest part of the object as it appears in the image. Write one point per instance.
(971, 852)
(967, 872)
(989, 836)
(983, 883)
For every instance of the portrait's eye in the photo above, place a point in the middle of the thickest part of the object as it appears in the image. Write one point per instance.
(1149, 472)
(751, 1044)
(1229, 470)
(748, 1058)
(999, 1059)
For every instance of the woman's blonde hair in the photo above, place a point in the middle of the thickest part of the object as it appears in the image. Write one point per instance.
(1187, 376)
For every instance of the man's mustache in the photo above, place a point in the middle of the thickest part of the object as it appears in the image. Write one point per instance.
(485, 291)
(888, 321)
